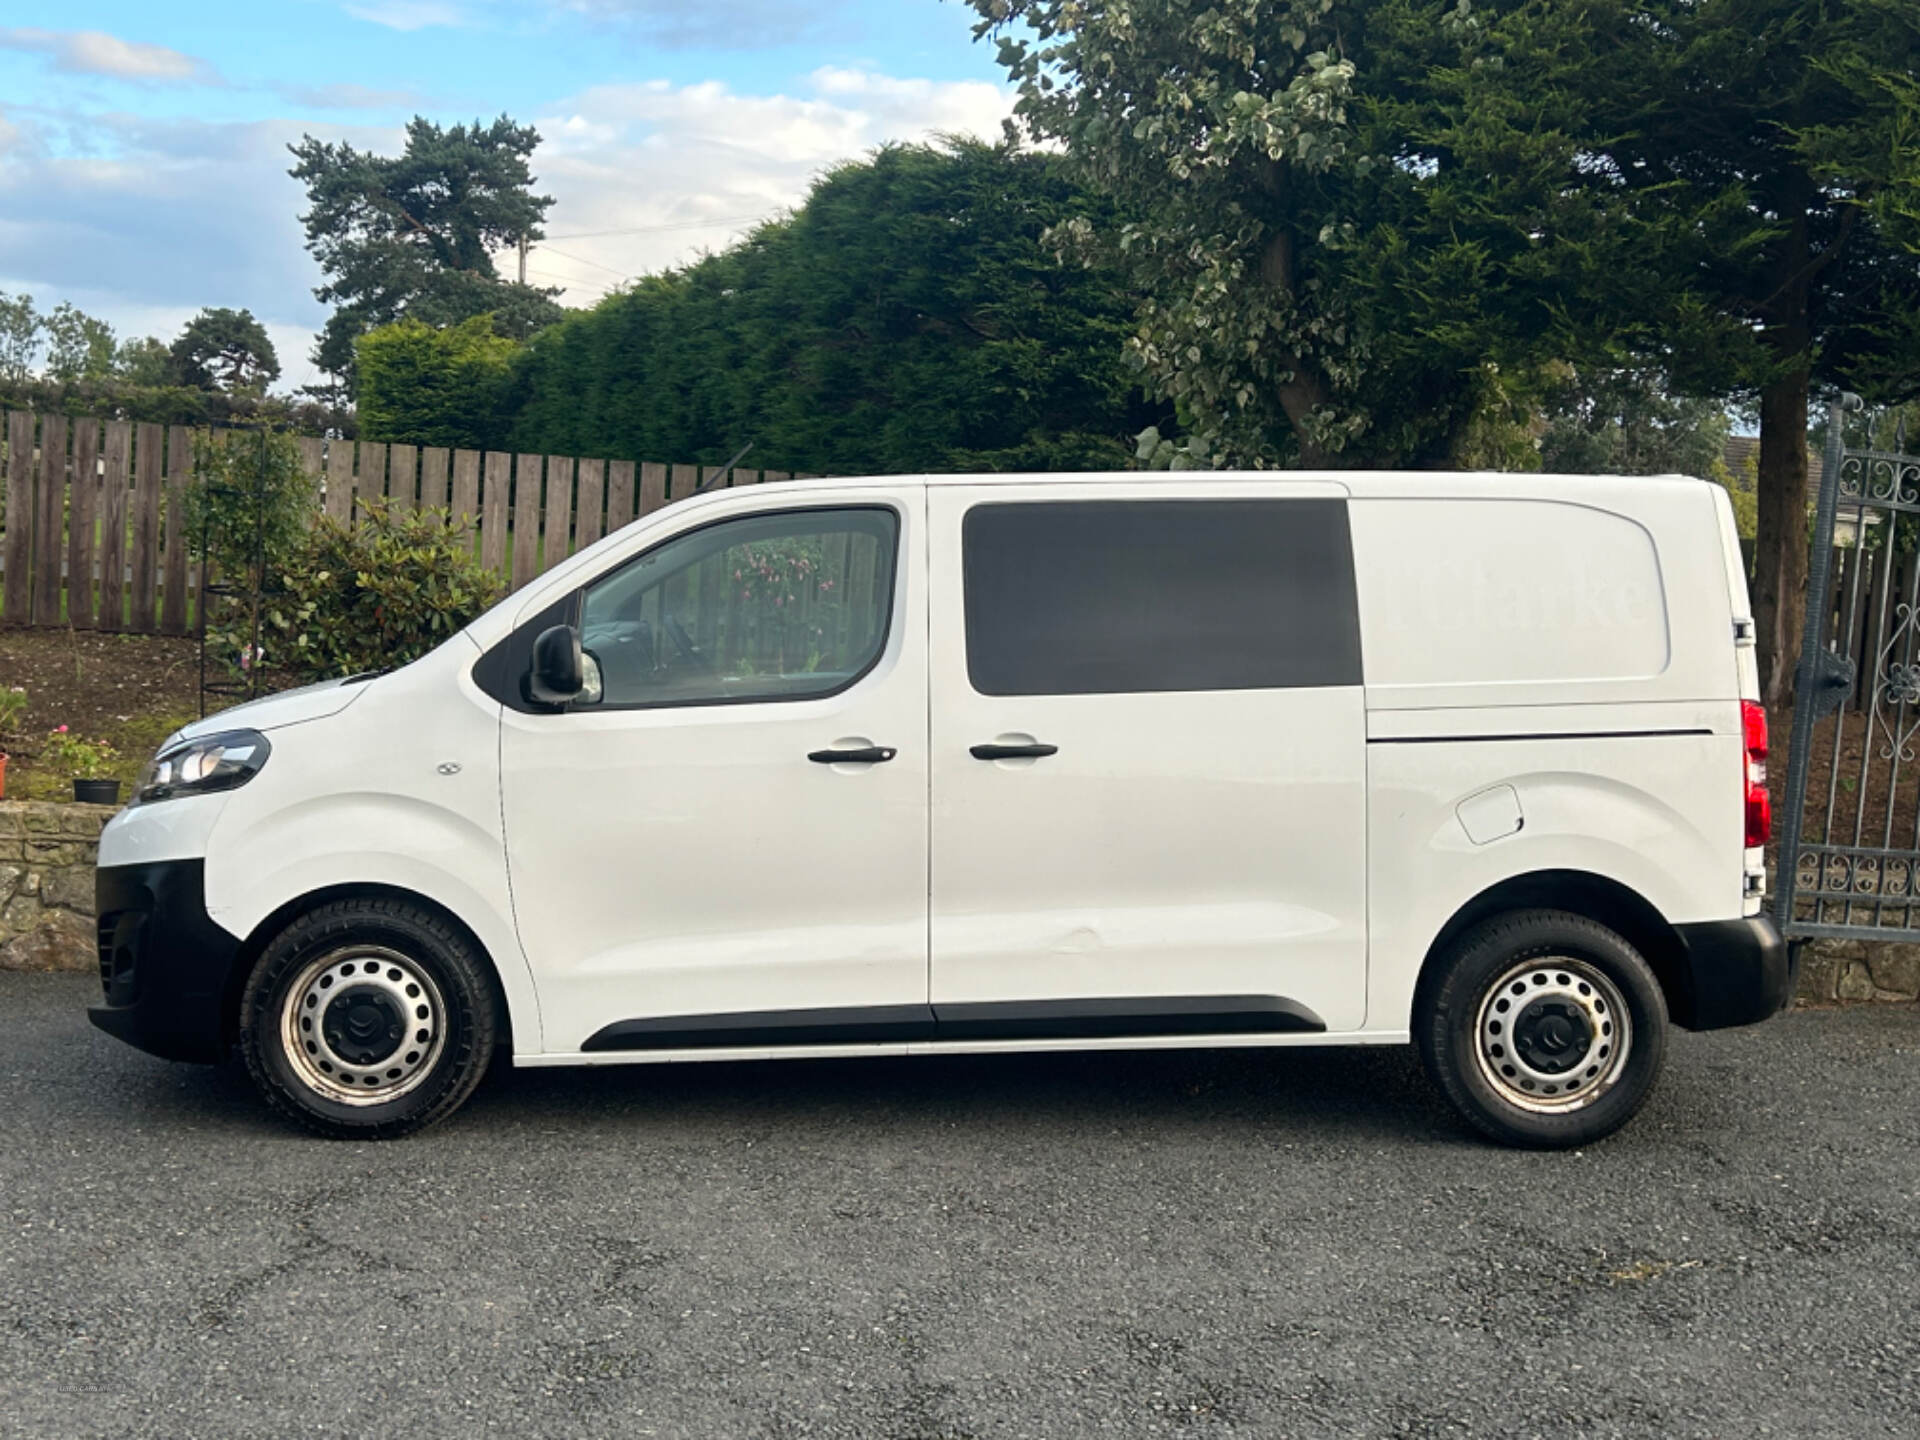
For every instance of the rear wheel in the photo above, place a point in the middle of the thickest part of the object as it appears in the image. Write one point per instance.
(1544, 1029)
(368, 1019)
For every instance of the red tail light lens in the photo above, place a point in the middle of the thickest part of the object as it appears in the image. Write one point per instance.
(1753, 725)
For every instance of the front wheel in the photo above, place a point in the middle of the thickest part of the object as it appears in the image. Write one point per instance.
(1544, 1028)
(368, 1019)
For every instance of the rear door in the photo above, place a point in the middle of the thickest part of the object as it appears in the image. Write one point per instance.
(1148, 760)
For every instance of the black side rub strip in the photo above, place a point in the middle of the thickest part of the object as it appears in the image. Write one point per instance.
(1542, 735)
(1001, 1020)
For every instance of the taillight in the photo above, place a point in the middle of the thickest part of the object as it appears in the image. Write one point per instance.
(1753, 727)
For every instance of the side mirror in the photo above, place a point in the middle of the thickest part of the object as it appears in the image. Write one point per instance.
(557, 675)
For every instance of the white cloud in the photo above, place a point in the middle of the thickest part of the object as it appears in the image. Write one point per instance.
(94, 52)
(690, 168)
(408, 14)
(143, 221)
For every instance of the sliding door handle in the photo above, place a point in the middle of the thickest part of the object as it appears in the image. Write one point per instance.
(862, 755)
(1013, 752)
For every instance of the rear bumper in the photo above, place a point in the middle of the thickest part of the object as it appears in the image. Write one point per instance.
(1738, 972)
(166, 968)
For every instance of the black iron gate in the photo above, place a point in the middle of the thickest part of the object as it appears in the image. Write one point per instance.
(1849, 862)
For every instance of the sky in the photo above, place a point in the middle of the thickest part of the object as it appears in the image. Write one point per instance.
(143, 142)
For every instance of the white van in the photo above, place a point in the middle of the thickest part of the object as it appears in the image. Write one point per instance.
(916, 766)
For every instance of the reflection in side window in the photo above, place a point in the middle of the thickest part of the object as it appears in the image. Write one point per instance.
(783, 606)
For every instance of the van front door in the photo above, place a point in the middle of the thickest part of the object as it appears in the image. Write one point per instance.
(727, 845)
(1149, 761)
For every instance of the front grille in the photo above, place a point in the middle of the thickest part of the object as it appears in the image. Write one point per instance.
(103, 929)
(119, 933)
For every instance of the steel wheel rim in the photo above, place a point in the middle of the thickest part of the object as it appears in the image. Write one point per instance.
(1552, 1034)
(363, 1025)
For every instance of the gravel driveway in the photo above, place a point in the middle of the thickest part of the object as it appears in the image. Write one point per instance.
(1291, 1244)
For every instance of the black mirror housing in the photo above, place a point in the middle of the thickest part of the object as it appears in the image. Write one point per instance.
(558, 674)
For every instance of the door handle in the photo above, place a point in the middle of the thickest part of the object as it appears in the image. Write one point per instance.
(1013, 752)
(864, 755)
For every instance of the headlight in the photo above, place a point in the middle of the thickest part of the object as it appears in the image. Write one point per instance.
(195, 767)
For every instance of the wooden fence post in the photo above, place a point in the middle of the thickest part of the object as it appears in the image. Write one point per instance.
(113, 526)
(465, 502)
(586, 524)
(653, 488)
(339, 503)
(173, 584)
(620, 479)
(17, 599)
(496, 513)
(147, 443)
(49, 519)
(559, 522)
(82, 512)
(526, 519)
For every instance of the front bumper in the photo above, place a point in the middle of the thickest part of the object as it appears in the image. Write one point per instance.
(168, 971)
(1737, 972)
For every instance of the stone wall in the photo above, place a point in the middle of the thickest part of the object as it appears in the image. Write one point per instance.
(1835, 970)
(46, 884)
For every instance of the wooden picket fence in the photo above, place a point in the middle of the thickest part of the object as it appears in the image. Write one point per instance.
(100, 501)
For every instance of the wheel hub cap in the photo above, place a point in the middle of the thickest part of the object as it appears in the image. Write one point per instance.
(1553, 1034)
(362, 1026)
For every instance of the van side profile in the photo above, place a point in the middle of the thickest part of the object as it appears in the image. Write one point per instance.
(922, 765)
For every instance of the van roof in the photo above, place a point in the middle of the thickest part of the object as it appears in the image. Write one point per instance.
(1479, 484)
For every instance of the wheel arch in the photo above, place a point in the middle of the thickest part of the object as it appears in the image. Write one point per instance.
(1598, 898)
(286, 913)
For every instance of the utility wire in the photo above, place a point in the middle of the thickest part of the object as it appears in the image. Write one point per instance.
(579, 259)
(652, 229)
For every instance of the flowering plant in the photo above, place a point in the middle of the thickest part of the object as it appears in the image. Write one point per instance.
(80, 758)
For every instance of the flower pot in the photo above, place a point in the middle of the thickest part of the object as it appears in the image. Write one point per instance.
(3, 775)
(96, 792)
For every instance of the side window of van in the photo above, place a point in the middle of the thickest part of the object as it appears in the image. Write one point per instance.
(784, 606)
(1114, 597)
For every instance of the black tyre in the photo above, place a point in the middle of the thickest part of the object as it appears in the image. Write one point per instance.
(1544, 1029)
(368, 1019)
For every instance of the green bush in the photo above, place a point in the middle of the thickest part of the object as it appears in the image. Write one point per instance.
(425, 386)
(374, 597)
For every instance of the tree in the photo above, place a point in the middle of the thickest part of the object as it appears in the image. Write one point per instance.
(1769, 146)
(1624, 422)
(226, 350)
(79, 347)
(413, 235)
(143, 361)
(1319, 284)
(20, 330)
(906, 318)
(423, 386)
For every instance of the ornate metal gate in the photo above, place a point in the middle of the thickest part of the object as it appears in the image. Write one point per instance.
(1849, 862)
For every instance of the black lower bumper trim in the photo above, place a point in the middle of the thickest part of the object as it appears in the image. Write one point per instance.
(166, 968)
(1738, 972)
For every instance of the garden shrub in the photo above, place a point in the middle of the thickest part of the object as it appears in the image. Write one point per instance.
(375, 596)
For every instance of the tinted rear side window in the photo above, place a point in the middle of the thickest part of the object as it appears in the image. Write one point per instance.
(1106, 597)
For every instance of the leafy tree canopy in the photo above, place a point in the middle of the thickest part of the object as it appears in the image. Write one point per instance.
(1768, 148)
(424, 386)
(907, 317)
(1323, 283)
(413, 235)
(79, 347)
(223, 349)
